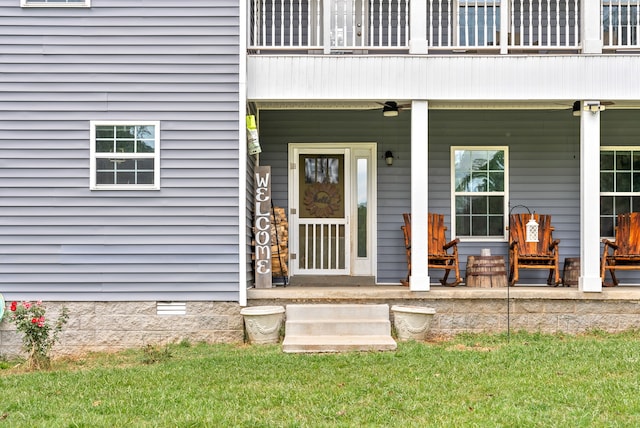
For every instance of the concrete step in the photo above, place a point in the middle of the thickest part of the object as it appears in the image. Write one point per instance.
(337, 311)
(337, 328)
(333, 327)
(300, 344)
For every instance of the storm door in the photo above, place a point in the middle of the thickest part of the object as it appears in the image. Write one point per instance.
(330, 216)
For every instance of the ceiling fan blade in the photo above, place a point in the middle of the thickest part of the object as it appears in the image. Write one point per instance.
(389, 104)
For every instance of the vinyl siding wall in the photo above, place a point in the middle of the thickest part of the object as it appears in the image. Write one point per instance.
(171, 61)
(544, 165)
(250, 207)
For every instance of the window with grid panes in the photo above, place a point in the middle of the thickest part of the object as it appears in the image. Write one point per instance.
(125, 155)
(619, 185)
(479, 191)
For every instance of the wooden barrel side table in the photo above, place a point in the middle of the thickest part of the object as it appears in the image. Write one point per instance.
(571, 272)
(486, 272)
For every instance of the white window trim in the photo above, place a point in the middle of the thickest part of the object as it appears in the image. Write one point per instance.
(505, 194)
(155, 156)
(36, 3)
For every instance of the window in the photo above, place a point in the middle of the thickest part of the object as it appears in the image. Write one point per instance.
(479, 191)
(619, 185)
(362, 193)
(55, 3)
(125, 155)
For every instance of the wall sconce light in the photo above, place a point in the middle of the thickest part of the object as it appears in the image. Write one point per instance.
(576, 108)
(388, 157)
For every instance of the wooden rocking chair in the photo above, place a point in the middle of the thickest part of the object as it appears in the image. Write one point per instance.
(543, 254)
(439, 256)
(625, 250)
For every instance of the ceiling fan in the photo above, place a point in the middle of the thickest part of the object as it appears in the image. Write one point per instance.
(576, 108)
(392, 108)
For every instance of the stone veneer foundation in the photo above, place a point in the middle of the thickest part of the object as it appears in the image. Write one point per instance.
(469, 309)
(112, 326)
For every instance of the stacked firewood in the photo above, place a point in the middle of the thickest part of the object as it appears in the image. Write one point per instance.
(279, 243)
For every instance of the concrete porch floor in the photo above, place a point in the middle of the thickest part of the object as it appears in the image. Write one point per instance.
(377, 292)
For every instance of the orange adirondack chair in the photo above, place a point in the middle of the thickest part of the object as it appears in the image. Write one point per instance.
(625, 250)
(543, 254)
(439, 256)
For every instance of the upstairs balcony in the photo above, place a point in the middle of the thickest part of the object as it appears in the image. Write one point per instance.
(447, 26)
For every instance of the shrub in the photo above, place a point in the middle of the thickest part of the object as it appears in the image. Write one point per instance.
(38, 334)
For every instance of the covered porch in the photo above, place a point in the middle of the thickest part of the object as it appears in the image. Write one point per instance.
(545, 148)
(522, 106)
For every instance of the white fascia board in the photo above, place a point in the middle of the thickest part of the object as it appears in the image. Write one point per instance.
(443, 78)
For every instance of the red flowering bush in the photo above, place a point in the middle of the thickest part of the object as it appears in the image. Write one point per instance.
(38, 335)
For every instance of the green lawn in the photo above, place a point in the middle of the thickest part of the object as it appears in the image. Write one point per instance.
(472, 380)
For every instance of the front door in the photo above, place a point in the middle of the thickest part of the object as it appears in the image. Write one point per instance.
(331, 209)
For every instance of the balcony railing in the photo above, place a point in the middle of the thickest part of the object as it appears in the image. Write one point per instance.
(620, 23)
(340, 26)
(335, 24)
(532, 24)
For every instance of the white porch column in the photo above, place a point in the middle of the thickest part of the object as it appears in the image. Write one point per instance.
(590, 27)
(590, 199)
(419, 280)
(418, 43)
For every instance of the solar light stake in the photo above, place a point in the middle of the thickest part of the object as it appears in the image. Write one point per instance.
(532, 236)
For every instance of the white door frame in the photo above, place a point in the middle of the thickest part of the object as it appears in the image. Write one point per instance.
(365, 153)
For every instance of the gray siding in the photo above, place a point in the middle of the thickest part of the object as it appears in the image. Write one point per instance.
(174, 61)
(544, 160)
(250, 201)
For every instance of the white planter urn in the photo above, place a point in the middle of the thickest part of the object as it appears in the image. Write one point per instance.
(412, 322)
(263, 323)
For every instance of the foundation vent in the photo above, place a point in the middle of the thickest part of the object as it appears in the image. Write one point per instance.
(171, 308)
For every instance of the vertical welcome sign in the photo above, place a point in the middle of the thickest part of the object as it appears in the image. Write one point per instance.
(262, 226)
